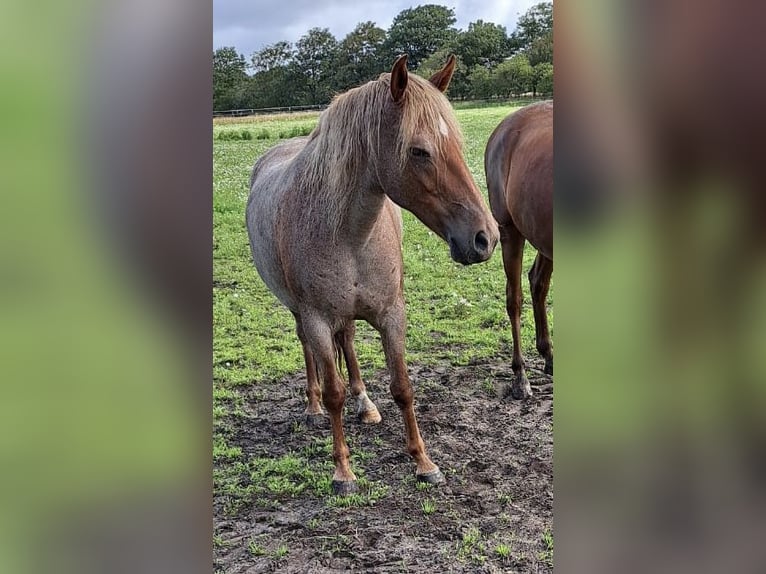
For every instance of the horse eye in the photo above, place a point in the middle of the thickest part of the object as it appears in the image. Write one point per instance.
(419, 152)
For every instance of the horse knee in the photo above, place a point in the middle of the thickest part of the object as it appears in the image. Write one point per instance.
(402, 394)
(334, 396)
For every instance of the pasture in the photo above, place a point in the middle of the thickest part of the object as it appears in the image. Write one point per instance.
(272, 501)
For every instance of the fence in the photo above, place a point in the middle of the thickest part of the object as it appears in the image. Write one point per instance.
(259, 111)
(522, 100)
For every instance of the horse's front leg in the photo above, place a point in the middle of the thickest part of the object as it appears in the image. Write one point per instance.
(392, 330)
(319, 340)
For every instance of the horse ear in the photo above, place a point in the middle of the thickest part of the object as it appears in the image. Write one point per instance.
(399, 78)
(442, 78)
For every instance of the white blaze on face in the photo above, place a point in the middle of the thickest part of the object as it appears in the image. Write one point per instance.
(443, 127)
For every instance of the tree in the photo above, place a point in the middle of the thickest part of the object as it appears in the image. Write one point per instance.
(359, 57)
(481, 82)
(315, 53)
(541, 50)
(419, 32)
(229, 74)
(482, 43)
(273, 56)
(513, 76)
(271, 89)
(535, 23)
(542, 78)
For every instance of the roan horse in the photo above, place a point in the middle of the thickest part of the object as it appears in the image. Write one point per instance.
(518, 163)
(326, 234)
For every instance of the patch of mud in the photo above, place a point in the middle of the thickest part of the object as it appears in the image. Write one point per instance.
(496, 455)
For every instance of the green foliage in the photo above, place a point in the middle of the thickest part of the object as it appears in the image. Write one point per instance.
(542, 77)
(535, 23)
(483, 43)
(419, 32)
(513, 76)
(278, 55)
(541, 50)
(315, 53)
(318, 66)
(547, 554)
(359, 56)
(482, 83)
(229, 75)
(471, 546)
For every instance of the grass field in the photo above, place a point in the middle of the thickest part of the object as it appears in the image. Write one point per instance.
(456, 317)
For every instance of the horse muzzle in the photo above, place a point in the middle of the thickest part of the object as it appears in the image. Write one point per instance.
(476, 248)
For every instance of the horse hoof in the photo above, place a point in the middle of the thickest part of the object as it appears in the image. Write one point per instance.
(521, 392)
(344, 487)
(314, 420)
(433, 477)
(370, 417)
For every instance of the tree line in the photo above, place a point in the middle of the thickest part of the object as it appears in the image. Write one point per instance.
(490, 62)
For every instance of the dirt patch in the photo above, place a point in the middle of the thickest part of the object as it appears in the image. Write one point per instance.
(493, 514)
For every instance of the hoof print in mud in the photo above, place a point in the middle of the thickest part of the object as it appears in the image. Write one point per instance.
(344, 487)
(433, 477)
(314, 421)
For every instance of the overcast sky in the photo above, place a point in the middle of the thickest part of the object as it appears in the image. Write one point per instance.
(249, 25)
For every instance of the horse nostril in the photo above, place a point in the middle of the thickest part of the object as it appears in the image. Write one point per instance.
(480, 242)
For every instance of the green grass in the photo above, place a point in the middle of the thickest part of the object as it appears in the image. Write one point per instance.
(471, 546)
(455, 314)
(547, 554)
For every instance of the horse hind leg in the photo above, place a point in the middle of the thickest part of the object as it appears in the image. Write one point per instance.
(539, 284)
(313, 414)
(512, 243)
(365, 409)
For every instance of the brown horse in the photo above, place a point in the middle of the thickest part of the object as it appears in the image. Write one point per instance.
(518, 163)
(326, 234)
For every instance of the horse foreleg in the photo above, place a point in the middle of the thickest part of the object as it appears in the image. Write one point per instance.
(539, 283)
(513, 251)
(319, 341)
(313, 412)
(365, 408)
(392, 330)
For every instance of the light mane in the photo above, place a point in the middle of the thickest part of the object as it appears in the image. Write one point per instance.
(347, 135)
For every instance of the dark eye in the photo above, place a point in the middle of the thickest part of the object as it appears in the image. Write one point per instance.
(419, 152)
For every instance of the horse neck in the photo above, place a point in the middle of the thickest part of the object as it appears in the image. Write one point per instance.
(365, 207)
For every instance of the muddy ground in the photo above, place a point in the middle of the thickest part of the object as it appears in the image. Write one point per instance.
(493, 513)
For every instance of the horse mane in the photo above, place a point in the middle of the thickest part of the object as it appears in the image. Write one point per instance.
(346, 139)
